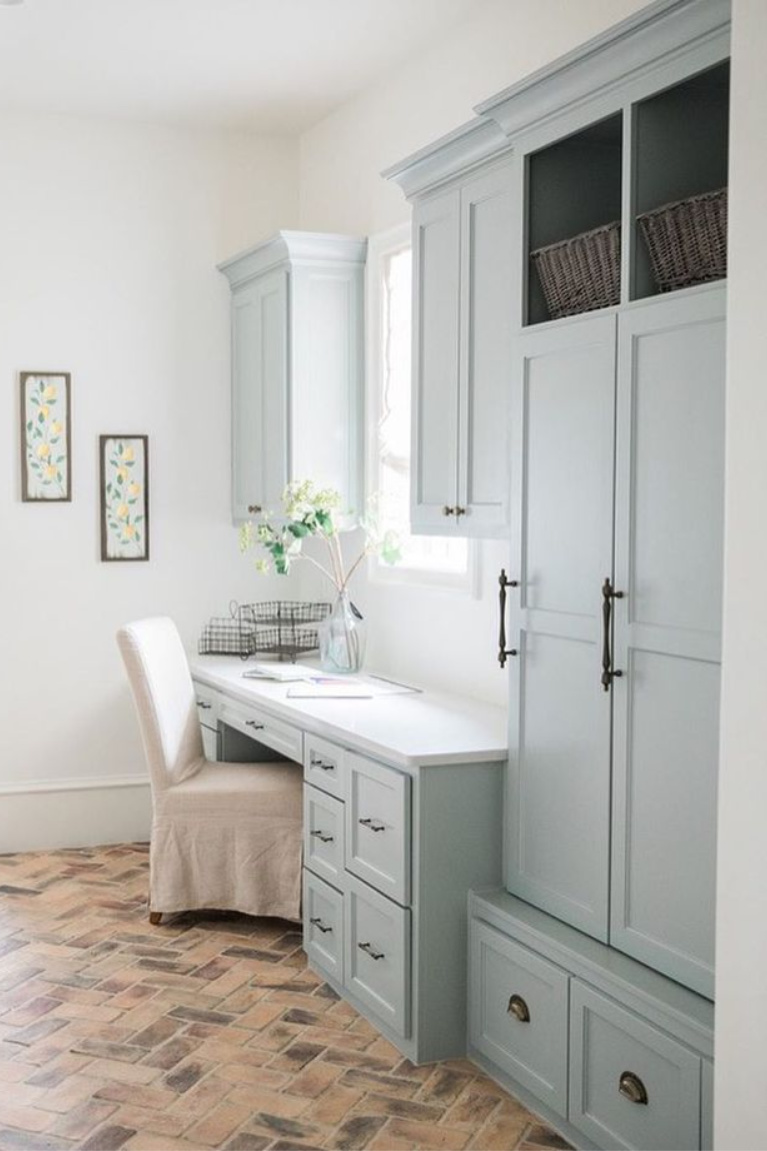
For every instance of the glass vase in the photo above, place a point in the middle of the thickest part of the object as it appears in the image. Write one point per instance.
(342, 637)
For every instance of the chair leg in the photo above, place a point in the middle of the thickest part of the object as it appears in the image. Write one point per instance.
(155, 917)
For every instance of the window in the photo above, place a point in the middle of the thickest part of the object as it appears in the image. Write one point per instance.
(432, 559)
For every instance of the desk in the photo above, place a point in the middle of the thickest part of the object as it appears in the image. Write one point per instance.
(402, 817)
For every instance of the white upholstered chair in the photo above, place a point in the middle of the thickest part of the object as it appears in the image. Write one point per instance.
(224, 835)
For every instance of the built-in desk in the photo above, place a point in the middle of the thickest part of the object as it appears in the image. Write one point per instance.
(403, 808)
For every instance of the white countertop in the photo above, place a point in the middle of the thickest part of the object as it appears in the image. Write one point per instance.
(408, 731)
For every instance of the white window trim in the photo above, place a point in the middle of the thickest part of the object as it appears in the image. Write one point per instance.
(381, 245)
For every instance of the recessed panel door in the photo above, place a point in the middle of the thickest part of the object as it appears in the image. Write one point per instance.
(559, 740)
(669, 556)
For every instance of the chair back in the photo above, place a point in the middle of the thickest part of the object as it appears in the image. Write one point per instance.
(163, 692)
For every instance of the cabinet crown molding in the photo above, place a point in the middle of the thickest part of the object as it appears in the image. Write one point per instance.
(457, 152)
(295, 248)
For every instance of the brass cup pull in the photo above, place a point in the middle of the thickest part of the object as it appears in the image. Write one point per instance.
(322, 836)
(317, 922)
(519, 1009)
(254, 509)
(371, 951)
(632, 1088)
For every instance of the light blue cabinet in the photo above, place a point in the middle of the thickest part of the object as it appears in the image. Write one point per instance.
(297, 368)
(462, 354)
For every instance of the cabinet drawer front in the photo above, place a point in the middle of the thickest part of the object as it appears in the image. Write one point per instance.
(324, 926)
(207, 706)
(631, 1085)
(378, 826)
(324, 835)
(324, 765)
(259, 725)
(378, 954)
(518, 1014)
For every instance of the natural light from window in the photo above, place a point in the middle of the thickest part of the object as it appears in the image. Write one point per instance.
(422, 554)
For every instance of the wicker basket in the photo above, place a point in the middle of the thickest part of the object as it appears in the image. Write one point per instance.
(582, 273)
(687, 240)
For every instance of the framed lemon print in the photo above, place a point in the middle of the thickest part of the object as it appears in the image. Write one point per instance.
(124, 471)
(46, 470)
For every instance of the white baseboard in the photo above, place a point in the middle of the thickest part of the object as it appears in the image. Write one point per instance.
(47, 814)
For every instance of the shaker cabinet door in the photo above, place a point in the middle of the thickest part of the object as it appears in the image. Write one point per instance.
(436, 275)
(259, 394)
(486, 353)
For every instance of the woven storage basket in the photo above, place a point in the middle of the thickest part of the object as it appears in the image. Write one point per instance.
(582, 273)
(687, 240)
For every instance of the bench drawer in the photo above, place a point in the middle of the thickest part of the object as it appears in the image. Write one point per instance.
(324, 765)
(324, 835)
(378, 954)
(378, 826)
(263, 728)
(631, 1085)
(324, 926)
(519, 1014)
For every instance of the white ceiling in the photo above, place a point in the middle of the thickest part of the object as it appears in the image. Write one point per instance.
(269, 65)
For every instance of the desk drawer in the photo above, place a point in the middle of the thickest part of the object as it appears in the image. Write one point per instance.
(377, 959)
(324, 926)
(518, 1014)
(631, 1086)
(324, 835)
(208, 704)
(324, 765)
(263, 728)
(378, 826)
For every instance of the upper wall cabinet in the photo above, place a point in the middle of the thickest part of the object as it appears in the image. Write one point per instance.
(462, 290)
(297, 368)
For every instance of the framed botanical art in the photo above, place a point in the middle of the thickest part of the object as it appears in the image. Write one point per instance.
(46, 444)
(124, 472)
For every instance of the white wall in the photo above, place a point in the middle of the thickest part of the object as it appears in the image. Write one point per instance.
(434, 636)
(741, 1067)
(109, 236)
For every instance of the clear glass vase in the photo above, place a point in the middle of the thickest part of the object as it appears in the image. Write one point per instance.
(342, 637)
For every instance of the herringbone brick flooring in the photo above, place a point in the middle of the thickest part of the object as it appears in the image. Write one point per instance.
(208, 1031)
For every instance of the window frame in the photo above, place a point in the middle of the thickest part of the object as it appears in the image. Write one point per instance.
(380, 246)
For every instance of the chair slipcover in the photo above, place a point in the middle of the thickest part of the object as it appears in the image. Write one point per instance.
(224, 835)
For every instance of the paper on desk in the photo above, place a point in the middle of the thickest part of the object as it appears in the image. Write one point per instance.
(348, 687)
(279, 672)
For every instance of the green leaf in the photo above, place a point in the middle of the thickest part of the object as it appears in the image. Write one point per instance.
(120, 480)
(29, 426)
(299, 530)
(41, 418)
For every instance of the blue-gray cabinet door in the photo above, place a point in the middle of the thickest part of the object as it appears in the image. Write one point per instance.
(486, 351)
(669, 540)
(558, 804)
(259, 393)
(436, 281)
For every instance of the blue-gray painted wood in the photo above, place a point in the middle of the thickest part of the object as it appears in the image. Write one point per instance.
(706, 1105)
(377, 953)
(607, 1042)
(323, 909)
(559, 717)
(667, 638)
(324, 835)
(378, 837)
(532, 1050)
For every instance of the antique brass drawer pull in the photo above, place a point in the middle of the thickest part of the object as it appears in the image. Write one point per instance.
(254, 509)
(317, 922)
(373, 824)
(252, 723)
(519, 1009)
(204, 706)
(321, 764)
(632, 1088)
(323, 838)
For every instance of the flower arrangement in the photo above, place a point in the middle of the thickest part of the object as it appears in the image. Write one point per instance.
(310, 511)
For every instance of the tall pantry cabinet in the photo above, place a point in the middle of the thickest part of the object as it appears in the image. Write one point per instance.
(592, 970)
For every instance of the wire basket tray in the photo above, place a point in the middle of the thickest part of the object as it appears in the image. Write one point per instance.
(273, 627)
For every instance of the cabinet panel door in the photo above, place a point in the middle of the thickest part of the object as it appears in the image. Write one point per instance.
(487, 280)
(669, 555)
(259, 393)
(557, 836)
(436, 267)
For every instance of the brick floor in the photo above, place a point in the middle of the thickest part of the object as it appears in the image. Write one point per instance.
(207, 1031)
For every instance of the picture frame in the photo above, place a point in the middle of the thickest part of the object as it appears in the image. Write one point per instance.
(124, 497)
(46, 437)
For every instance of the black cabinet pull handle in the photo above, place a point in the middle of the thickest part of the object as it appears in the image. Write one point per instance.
(373, 824)
(519, 1009)
(371, 951)
(503, 651)
(204, 706)
(317, 922)
(631, 1087)
(252, 723)
(323, 838)
(608, 595)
